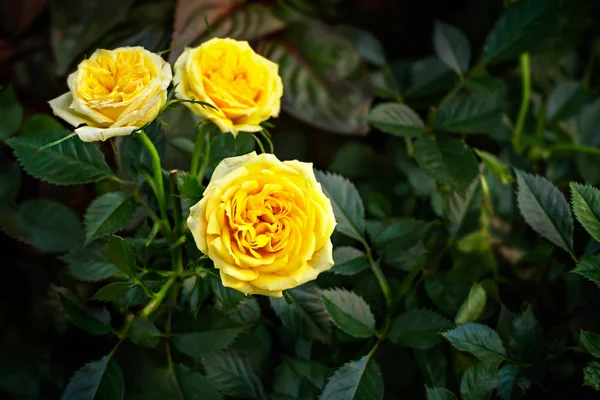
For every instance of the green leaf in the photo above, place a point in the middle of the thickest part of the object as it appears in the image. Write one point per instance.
(512, 386)
(233, 375)
(518, 29)
(367, 44)
(440, 394)
(452, 47)
(83, 317)
(479, 340)
(404, 260)
(356, 380)
(148, 24)
(98, 380)
(458, 207)
(473, 306)
(566, 99)
(545, 209)
(51, 227)
(446, 295)
(76, 27)
(497, 167)
(227, 297)
(306, 317)
(121, 254)
(486, 85)
(210, 333)
(591, 342)
(591, 375)
(227, 18)
(397, 119)
(194, 385)
(40, 122)
(189, 187)
(326, 84)
(433, 365)
(589, 268)
(144, 333)
(108, 214)
(447, 161)
(347, 205)
(113, 291)
(300, 378)
(68, 163)
(349, 312)
(429, 77)
(586, 205)
(418, 329)
(133, 156)
(469, 114)
(202, 289)
(479, 381)
(90, 264)
(10, 181)
(349, 261)
(526, 337)
(11, 113)
(397, 234)
(226, 145)
(245, 313)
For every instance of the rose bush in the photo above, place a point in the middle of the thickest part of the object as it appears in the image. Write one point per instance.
(114, 92)
(168, 240)
(244, 87)
(265, 224)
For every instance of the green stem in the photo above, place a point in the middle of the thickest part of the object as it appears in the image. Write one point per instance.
(177, 213)
(201, 139)
(575, 148)
(525, 101)
(410, 149)
(197, 152)
(122, 334)
(385, 287)
(158, 298)
(146, 207)
(159, 188)
(541, 121)
(172, 300)
(177, 261)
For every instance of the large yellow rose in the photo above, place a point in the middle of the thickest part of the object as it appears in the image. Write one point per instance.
(266, 224)
(244, 87)
(114, 92)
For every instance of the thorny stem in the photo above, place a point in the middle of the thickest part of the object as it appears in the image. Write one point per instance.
(176, 256)
(122, 334)
(158, 298)
(197, 152)
(385, 289)
(202, 171)
(525, 101)
(158, 187)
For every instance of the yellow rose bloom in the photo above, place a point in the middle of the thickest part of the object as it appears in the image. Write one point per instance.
(244, 87)
(266, 224)
(114, 92)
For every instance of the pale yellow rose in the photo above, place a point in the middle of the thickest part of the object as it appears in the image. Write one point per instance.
(114, 92)
(266, 224)
(244, 87)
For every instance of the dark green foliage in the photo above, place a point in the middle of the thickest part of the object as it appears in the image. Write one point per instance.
(450, 138)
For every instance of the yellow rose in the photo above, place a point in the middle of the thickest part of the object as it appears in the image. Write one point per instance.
(114, 92)
(266, 224)
(244, 87)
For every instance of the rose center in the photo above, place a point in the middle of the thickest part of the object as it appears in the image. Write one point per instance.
(116, 77)
(261, 222)
(234, 73)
